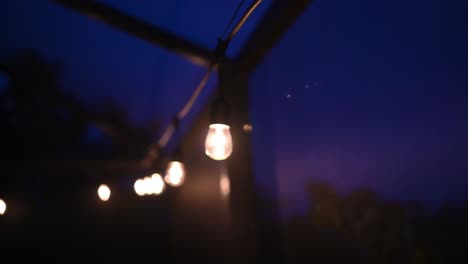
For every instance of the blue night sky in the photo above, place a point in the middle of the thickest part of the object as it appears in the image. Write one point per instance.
(357, 94)
(101, 62)
(369, 94)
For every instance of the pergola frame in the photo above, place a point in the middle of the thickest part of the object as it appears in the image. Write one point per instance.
(234, 74)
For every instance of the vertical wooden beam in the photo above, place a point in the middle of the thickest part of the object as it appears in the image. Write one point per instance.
(255, 221)
(266, 234)
(240, 167)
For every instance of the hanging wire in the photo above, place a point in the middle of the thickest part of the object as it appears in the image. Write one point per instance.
(241, 22)
(228, 26)
(188, 106)
(219, 52)
(166, 136)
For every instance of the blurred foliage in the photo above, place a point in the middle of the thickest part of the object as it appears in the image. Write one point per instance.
(360, 228)
(47, 121)
(48, 132)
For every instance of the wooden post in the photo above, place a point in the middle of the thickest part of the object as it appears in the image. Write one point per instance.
(240, 167)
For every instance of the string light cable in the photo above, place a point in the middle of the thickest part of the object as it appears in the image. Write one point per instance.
(217, 57)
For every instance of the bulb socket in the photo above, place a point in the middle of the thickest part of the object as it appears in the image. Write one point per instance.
(220, 111)
(178, 154)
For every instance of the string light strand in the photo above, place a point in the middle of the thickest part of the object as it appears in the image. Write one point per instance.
(218, 55)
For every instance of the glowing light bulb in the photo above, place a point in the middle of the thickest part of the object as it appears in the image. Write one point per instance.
(218, 144)
(104, 192)
(3, 207)
(146, 186)
(139, 187)
(157, 184)
(224, 185)
(175, 174)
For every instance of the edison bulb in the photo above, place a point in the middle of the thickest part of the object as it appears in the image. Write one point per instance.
(146, 186)
(175, 174)
(224, 185)
(3, 207)
(104, 192)
(218, 144)
(156, 184)
(139, 187)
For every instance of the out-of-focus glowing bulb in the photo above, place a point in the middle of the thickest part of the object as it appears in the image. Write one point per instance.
(153, 184)
(218, 144)
(224, 185)
(146, 186)
(139, 187)
(157, 184)
(175, 174)
(104, 192)
(3, 207)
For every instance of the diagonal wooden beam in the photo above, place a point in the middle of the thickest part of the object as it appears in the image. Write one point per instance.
(141, 29)
(275, 23)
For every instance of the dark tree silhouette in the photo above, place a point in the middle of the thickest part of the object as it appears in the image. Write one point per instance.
(361, 228)
(45, 138)
(55, 150)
